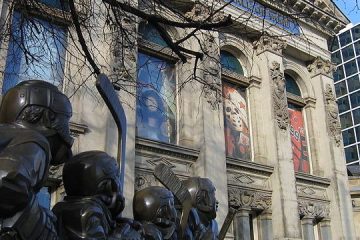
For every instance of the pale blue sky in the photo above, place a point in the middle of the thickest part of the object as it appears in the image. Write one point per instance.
(351, 8)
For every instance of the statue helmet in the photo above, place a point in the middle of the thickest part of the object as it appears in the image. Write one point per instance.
(156, 205)
(202, 193)
(39, 94)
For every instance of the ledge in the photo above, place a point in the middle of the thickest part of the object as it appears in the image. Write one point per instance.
(250, 166)
(312, 179)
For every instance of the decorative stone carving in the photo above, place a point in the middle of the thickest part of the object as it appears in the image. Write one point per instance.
(244, 178)
(332, 114)
(201, 12)
(314, 209)
(239, 198)
(321, 66)
(144, 180)
(279, 96)
(269, 43)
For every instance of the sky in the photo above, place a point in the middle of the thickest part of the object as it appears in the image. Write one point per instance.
(350, 8)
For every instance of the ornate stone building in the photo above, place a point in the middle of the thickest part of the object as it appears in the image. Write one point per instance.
(264, 127)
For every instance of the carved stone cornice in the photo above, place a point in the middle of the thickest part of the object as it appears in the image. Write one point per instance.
(279, 96)
(239, 198)
(315, 210)
(269, 43)
(332, 113)
(321, 66)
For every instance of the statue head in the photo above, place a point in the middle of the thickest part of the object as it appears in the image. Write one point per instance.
(156, 205)
(41, 106)
(202, 192)
(95, 174)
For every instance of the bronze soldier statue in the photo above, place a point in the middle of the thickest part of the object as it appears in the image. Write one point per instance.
(201, 221)
(34, 133)
(93, 202)
(154, 208)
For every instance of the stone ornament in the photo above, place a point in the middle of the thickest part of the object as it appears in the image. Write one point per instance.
(321, 66)
(332, 114)
(201, 12)
(269, 43)
(239, 198)
(279, 96)
(314, 210)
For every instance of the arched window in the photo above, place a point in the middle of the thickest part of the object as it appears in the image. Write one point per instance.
(156, 91)
(236, 123)
(297, 126)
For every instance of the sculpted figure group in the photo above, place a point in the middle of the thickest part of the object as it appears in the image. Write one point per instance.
(34, 134)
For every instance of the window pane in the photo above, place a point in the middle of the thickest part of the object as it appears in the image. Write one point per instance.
(230, 62)
(44, 44)
(340, 88)
(348, 136)
(291, 85)
(345, 38)
(356, 114)
(350, 68)
(151, 34)
(353, 83)
(348, 53)
(357, 130)
(351, 154)
(343, 104)
(237, 134)
(156, 102)
(336, 57)
(355, 99)
(60, 4)
(334, 44)
(356, 32)
(339, 74)
(357, 48)
(346, 120)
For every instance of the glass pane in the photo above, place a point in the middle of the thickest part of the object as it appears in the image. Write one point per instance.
(355, 99)
(60, 4)
(298, 140)
(353, 83)
(339, 74)
(156, 102)
(333, 44)
(348, 53)
(291, 85)
(348, 136)
(346, 120)
(340, 88)
(336, 57)
(350, 68)
(357, 48)
(41, 56)
(357, 131)
(345, 38)
(356, 32)
(351, 154)
(237, 134)
(151, 34)
(356, 114)
(44, 197)
(230, 62)
(343, 104)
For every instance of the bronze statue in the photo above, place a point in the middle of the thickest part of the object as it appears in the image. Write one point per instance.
(201, 221)
(34, 133)
(93, 202)
(154, 208)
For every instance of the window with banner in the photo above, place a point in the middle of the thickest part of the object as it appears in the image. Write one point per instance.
(297, 127)
(236, 124)
(156, 95)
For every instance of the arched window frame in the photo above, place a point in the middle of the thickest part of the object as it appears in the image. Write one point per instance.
(238, 81)
(299, 102)
(164, 53)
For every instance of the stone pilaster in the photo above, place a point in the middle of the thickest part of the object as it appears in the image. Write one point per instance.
(274, 130)
(330, 149)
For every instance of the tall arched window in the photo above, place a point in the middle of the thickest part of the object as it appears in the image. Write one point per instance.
(297, 126)
(156, 91)
(236, 123)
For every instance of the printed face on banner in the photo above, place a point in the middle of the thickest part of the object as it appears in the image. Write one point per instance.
(298, 140)
(237, 136)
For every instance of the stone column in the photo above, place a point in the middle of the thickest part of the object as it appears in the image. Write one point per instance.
(265, 219)
(330, 149)
(325, 229)
(274, 130)
(307, 223)
(242, 224)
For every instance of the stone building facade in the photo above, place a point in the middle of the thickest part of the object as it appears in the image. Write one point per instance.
(264, 128)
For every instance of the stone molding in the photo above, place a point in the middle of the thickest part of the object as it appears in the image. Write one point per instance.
(321, 66)
(249, 167)
(240, 198)
(314, 210)
(332, 113)
(279, 96)
(269, 43)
